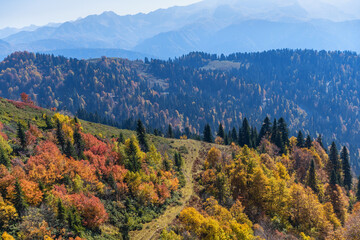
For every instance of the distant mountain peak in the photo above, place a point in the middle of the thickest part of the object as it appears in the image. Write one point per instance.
(109, 14)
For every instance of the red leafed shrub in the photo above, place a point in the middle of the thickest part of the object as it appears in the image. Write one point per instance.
(90, 140)
(100, 149)
(25, 98)
(98, 161)
(91, 209)
(21, 105)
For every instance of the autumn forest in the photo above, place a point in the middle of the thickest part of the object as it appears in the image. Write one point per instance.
(245, 146)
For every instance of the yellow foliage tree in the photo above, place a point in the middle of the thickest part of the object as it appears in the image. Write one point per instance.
(7, 213)
(6, 236)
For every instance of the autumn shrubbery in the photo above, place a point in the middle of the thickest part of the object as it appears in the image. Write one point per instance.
(256, 194)
(62, 182)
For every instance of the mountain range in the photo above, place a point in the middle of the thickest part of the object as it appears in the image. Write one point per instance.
(211, 26)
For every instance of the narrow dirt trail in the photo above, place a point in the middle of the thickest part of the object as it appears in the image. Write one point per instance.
(153, 229)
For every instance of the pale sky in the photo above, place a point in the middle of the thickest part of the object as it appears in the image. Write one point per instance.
(20, 13)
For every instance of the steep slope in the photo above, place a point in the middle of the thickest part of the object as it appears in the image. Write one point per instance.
(100, 193)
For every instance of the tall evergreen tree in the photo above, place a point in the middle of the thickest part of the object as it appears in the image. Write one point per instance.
(246, 134)
(220, 132)
(207, 134)
(346, 168)
(133, 162)
(4, 158)
(69, 149)
(60, 135)
(170, 133)
(308, 142)
(61, 212)
(240, 140)
(274, 132)
(78, 140)
(319, 140)
(234, 137)
(253, 138)
(121, 138)
(21, 135)
(312, 182)
(19, 201)
(300, 140)
(141, 135)
(226, 139)
(284, 131)
(265, 130)
(166, 164)
(49, 124)
(333, 178)
(178, 160)
(74, 221)
(335, 162)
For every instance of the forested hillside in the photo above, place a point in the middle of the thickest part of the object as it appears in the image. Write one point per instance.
(316, 92)
(249, 194)
(66, 178)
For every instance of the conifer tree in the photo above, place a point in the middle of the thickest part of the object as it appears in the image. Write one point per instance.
(21, 135)
(74, 221)
(78, 141)
(166, 163)
(178, 160)
(207, 134)
(48, 122)
(69, 149)
(141, 135)
(170, 133)
(60, 134)
(300, 140)
(4, 158)
(284, 131)
(133, 160)
(234, 137)
(254, 137)
(274, 132)
(19, 201)
(308, 142)
(334, 162)
(156, 132)
(221, 132)
(319, 140)
(61, 212)
(240, 138)
(121, 138)
(125, 229)
(333, 178)
(265, 130)
(246, 135)
(226, 139)
(312, 182)
(346, 168)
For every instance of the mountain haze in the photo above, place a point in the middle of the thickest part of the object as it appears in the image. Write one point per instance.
(211, 26)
